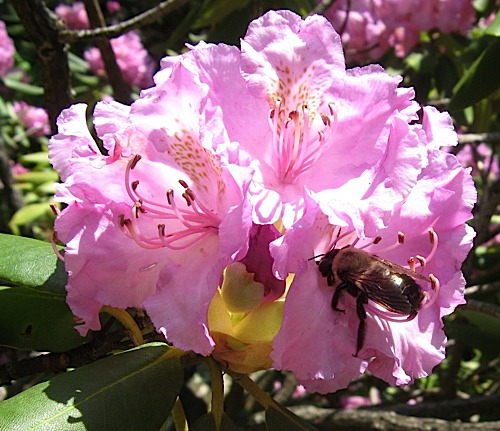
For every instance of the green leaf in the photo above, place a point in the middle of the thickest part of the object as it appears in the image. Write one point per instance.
(34, 314)
(38, 177)
(28, 214)
(494, 28)
(284, 419)
(31, 90)
(134, 390)
(31, 263)
(39, 158)
(480, 80)
(33, 319)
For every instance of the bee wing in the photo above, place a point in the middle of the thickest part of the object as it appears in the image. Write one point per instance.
(394, 267)
(379, 289)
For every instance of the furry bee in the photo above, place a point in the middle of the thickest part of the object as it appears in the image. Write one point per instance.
(368, 277)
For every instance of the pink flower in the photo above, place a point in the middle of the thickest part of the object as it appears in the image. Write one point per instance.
(132, 58)
(291, 106)
(74, 16)
(153, 223)
(7, 51)
(113, 6)
(370, 27)
(278, 131)
(36, 120)
(392, 346)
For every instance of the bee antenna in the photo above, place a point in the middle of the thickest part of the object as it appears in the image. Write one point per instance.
(314, 257)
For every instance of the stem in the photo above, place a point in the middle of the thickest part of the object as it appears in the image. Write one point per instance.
(111, 31)
(126, 320)
(121, 89)
(179, 417)
(254, 390)
(217, 391)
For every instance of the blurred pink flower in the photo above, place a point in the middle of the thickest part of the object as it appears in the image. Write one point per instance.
(74, 16)
(36, 120)
(153, 223)
(370, 27)
(113, 6)
(132, 58)
(7, 51)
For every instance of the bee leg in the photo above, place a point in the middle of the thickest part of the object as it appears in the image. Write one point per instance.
(360, 309)
(336, 296)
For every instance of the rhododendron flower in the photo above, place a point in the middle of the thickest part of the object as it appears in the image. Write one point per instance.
(7, 51)
(74, 16)
(35, 119)
(288, 101)
(370, 27)
(132, 58)
(429, 225)
(153, 223)
(278, 131)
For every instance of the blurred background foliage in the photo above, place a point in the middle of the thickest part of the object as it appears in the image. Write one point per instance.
(455, 72)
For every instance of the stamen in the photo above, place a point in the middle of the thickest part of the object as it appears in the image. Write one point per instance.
(198, 221)
(401, 237)
(161, 230)
(411, 263)
(374, 242)
(55, 210)
(422, 260)
(135, 237)
(53, 241)
(135, 160)
(435, 285)
(433, 237)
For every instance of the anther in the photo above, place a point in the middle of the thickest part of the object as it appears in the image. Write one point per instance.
(422, 260)
(432, 235)
(135, 160)
(54, 209)
(121, 220)
(326, 120)
(161, 230)
(187, 198)
(170, 196)
(190, 193)
(401, 237)
(134, 185)
(377, 240)
(183, 184)
(411, 263)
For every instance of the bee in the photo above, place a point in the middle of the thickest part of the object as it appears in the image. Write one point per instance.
(368, 277)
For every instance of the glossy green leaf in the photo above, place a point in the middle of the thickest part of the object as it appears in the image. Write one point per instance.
(34, 314)
(35, 319)
(30, 263)
(284, 419)
(134, 390)
(480, 80)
